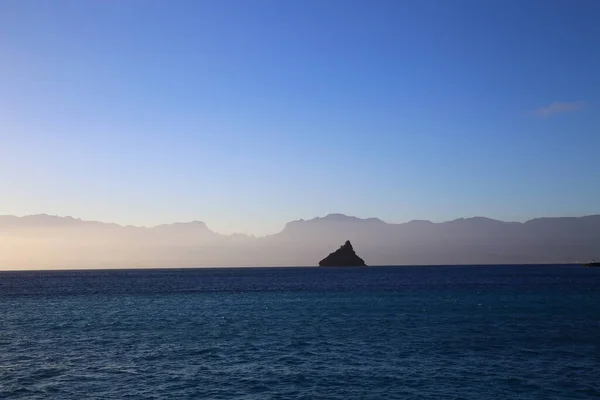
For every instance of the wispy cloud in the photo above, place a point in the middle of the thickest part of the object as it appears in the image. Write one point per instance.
(559, 108)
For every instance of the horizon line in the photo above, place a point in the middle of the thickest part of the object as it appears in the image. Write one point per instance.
(146, 268)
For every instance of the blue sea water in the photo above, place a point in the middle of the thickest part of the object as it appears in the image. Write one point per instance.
(492, 332)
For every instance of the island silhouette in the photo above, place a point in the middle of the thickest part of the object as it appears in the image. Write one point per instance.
(345, 256)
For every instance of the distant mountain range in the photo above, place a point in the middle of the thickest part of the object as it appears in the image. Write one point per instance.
(44, 241)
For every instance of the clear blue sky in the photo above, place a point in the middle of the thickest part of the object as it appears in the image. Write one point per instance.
(247, 114)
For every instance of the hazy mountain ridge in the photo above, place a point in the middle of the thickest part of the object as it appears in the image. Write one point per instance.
(44, 241)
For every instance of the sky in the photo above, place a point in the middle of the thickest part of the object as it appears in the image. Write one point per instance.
(248, 114)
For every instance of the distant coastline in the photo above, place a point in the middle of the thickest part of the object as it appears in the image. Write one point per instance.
(592, 264)
(51, 220)
(51, 242)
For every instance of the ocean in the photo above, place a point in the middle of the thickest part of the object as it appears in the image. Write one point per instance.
(447, 332)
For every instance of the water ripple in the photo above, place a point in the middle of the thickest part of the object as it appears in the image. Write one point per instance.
(386, 334)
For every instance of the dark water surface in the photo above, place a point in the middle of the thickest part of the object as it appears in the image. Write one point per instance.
(519, 332)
